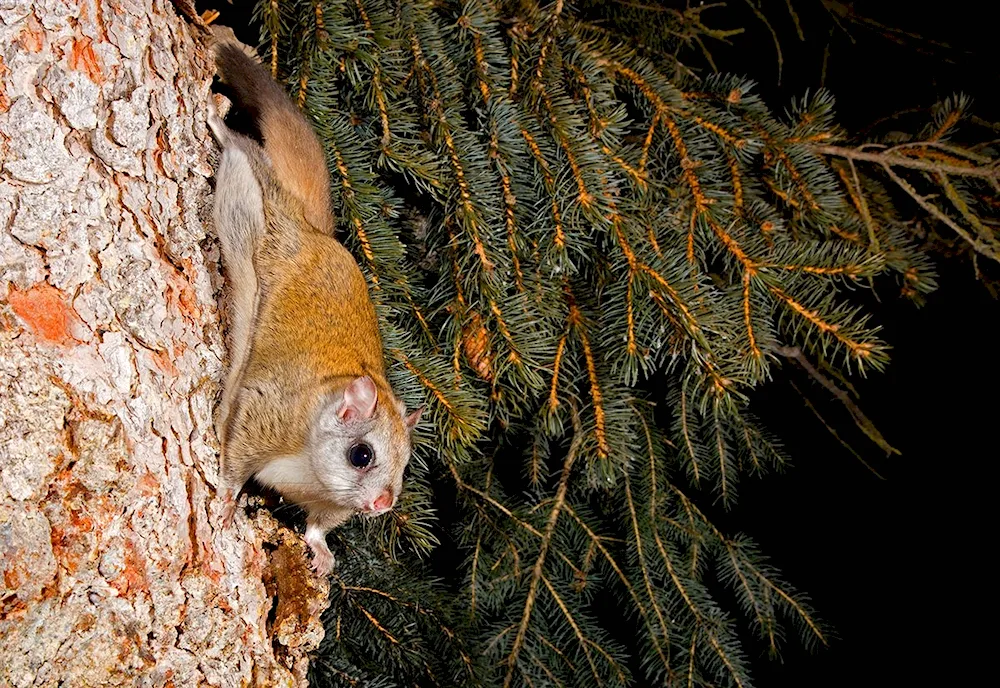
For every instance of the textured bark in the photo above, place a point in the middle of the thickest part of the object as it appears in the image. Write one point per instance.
(116, 569)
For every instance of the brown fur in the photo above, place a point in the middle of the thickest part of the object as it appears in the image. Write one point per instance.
(305, 351)
(316, 330)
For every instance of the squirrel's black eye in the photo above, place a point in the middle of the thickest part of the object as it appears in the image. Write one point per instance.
(360, 455)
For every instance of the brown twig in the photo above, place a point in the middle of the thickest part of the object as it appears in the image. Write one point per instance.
(832, 431)
(863, 207)
(774, 34)
(940, 215)
(988, 172)
(860, 419)
(979, 167)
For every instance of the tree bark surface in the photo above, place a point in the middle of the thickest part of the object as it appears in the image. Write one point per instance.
(116, 568)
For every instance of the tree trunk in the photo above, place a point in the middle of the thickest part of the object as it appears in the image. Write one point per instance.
(116, 567)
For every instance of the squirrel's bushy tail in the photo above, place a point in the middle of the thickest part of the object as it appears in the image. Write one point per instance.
(290, 142)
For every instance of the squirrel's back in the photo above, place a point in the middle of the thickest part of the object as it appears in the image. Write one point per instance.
(316, 313)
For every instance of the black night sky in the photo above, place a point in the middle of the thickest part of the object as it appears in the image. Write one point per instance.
(896, 566)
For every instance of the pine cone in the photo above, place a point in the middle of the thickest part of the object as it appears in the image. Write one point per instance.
(476, 345)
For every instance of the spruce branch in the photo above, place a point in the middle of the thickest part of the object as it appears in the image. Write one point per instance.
(538, 568)
(661, 616)
(560, 225)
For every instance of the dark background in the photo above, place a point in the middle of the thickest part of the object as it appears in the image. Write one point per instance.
(897, 566)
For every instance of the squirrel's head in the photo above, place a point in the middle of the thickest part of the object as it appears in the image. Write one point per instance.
(360, 446)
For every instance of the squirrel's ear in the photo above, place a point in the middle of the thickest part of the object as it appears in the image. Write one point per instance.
(411, 420)
(359, 400)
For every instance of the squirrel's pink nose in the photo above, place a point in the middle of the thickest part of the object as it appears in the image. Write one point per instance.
(384, 500)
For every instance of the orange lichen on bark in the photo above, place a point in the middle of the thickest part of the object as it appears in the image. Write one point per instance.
(4, 100)
(164, 364)
(45, 313)
(73, 536)
(181, 294)
(133, 577)
(32, 37)
(301, 595)
(148, 485)
(82, 58)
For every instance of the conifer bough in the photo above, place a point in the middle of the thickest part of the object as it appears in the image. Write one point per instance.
(583, 258)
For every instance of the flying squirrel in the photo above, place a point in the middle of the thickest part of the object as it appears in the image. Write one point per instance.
(306, 408)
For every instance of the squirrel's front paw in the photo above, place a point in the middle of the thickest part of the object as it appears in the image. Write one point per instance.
(323, 561)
